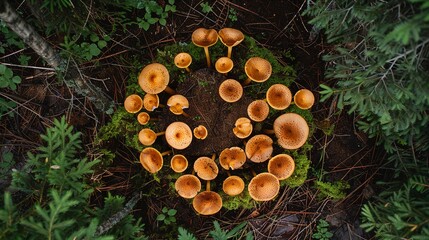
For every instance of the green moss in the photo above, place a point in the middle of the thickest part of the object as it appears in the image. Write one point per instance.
(302, 164)
(241, 201)
(334, 190)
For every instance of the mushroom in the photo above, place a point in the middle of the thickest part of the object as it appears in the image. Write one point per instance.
(183, 60)
(205, 38)
(224, 65)
(133, 103)
(279, 96)
(232, 158)
(304, 99)
(187, 186)
(147, 136)
(151, 159)
(143, 118)
(291, 130)
(179, 163)
(230, 37)
(200, 132)
(154, 78)
(281, 166)
(178, 135)
(259, 148)
(177, 103)
(243, 127)
(257, 69)
(150, 102)
(233, 185)
(206, 168)
(263, 187)
(258, 110)
(230, 90)
(207, 203)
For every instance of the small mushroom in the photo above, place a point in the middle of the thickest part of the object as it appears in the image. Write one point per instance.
(150, 102)
(206, 168)
(133, 103)
(200, 132)
(187, 186)
(179, 163)
(177, 103)
(257, 69)
(304, 99)
(147, 136)
(233, 185)
(281, 166)
(279, 96)
(224, 65)
(178, 135)
(230, 90)
(243, 128)
(207, 203)
(259, 148)
(291, 130)
(143, 118)
(263, 187)
(232, 158)
(258, 110)
(230, 37)
(205, 38)
(154, 78)
(183, 60)
(151, 159)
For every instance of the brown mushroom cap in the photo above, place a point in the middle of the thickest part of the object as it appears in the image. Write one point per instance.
(151, 159)
(281, 166)
(147, 136)
(243, 127)
(200, 132)
(258, 110)
(206, 168)
(178, 135)
(183, 60)
(150, 102)
(232, 158)
(224, 65)
(207, 203)
(258, 69)
(177, 103)
(143, 118)
(291, 130)
(304, 99)
(233, 185)
(279, 96)
(202, 37)
(133, 103)
(230, 90)
(231, 37)
(154, 78)
(179, 163)
(263, 187)
(259, 148)
(187, 186)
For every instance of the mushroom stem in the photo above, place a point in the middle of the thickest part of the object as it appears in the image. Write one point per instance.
(169, 90)
(246, 82)
(166, 153)
(229, 174)
(185, 114)
(206, 51)
(160, 133)
(269, 131)
(214, 156)
(253, 172)
(187, 69)
(229, 51)
(208, 186)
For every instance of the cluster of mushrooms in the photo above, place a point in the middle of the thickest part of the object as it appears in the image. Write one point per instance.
(290, 129)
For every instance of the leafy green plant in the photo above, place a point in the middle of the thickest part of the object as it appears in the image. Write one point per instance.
(185, 235)
(322, 231)
(205, 7)
(218, 234)
(232, 15)
(9, 38)
(5, 107)
(167, 216)
(154, 13)
(86, 50)
(7, 78)
(6, 165)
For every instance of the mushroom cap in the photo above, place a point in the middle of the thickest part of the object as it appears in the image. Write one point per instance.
(150, 102)
(304, 99)
(207, 203)
(178, 135)
(263, 187)
(151, 159)
(224, 65)
(147, 136)
(203, 37)
(259, 148)
(231, 37)
(206, 168)
(258, 110)
(143, 118)
(183, 60)
(177, 103)
(230, 90)
(154, 78)
(233, 185)
(291, 130)
(281, 166)
(187, 186)
(243, 127)
(279, 96)
(201, 132)
(179, 163)
(258, 69)
(232, 158)
(133, 103)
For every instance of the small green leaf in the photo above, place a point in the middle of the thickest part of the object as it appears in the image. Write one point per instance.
(152, 20)
(16, 79)
(162, 21)
(94, 38)
(101, 44)
(94, 50)
(160, 217)
(172, 212)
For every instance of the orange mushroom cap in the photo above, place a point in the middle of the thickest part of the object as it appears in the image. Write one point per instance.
(178, 135)
(304, 99)
(279, 96)
(233, 185)
(207, 203)
(187, 186)
(232, 158)
(150, 102)
(281, 166)
(230, 90)
(147, 136)
(202, 37)
(258, 69)
(291, 130)
(179, 163)
(201, 132)
(224, 65)
(133, 103)
(143, 118)
(231, 37)
(154, 78)
(151, 159)
(258, 110)
(183, 60)
(263, 187)
(259, 148)
(177, 103)
(243, 127)
(206, 168)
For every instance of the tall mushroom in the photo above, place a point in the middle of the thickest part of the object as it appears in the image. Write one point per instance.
(259, 148)
(230, 37)
(205, 38)
(263, 187)
(279, 96)
(177, 103)
(133, 103)
(230, 90)
(183, 60)
(187, 186)
(178, 135)
(258, 110)
(304, 99)
(232, 158)
(243, 127)
(224, 65)
(152, 160)
(291, 130)
(154, 78)
(281, 166)
(257, 69)
(147, 136)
